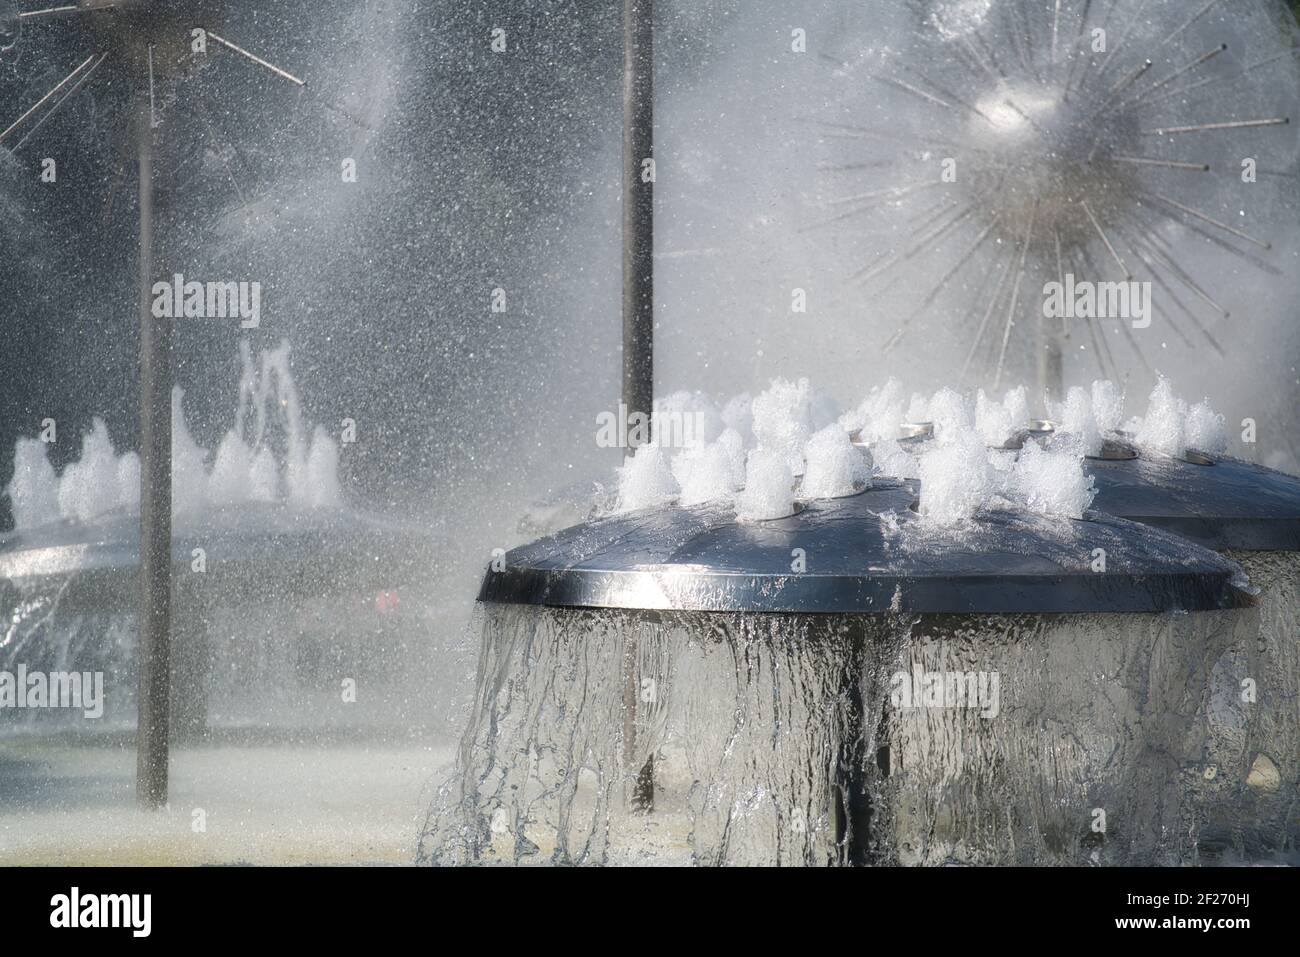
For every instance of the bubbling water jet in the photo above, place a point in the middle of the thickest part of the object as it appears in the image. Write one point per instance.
(247, 465)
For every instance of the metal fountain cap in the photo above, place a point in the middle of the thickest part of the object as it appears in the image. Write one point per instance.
(1216, 502)
(869, 554)
(1113, 451)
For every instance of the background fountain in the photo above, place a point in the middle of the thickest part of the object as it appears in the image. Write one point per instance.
(262, 532)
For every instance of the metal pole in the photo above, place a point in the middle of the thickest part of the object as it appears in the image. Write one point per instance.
(638, 294)
(154, 652)
(638, 206)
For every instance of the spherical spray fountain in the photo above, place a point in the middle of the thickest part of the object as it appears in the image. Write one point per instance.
(1012, 144)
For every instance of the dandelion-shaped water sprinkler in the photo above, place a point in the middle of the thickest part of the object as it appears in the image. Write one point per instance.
(154, 48)
(1039, 141)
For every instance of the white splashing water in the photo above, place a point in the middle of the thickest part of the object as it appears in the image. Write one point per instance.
(738, 414)
(890, 458)
(876, 418)
(962, 470)
(1107, 405)
(769, 487)
(783, 421)
(245, 467)
(646, 480)
(961, 475)
(1016, 402)
(1171, 427)
(957, 479)
(834, 466)
(684, 420)
(1077, 419)
(93, 485)
(34, 491)
(1206, 430)
(950, 414)
(707, 473)
(993, 420)
(999, 421)
(1052, 480)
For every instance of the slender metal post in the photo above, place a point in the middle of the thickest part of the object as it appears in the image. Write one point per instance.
(638, 293)
(154, 650)
(638, 206)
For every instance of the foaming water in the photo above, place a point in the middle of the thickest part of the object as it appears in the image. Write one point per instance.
(792, 436)
(270, 454)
